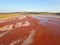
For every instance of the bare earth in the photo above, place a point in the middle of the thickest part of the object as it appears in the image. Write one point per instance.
(30, 30)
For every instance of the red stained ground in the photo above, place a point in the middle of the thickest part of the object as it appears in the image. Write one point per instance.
(47, 31)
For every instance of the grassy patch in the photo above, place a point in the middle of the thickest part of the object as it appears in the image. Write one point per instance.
(7, 15)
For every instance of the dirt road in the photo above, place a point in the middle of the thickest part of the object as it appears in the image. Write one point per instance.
(30, 30)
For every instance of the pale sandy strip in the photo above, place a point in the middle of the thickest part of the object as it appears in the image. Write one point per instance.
(6, 28)
(14, 42)
(29, 39)
(17, 41)
(2, 34)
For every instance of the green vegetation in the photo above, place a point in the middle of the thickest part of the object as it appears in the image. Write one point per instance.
(3, 15)
(57, 13)
(37, 12)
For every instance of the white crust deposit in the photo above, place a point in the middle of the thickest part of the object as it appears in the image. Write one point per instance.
(26, 24)
(18, 24)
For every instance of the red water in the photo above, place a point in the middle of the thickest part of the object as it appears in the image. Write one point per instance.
(39, 31)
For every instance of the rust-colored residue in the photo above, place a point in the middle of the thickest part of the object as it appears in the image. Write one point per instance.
(30, 30)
